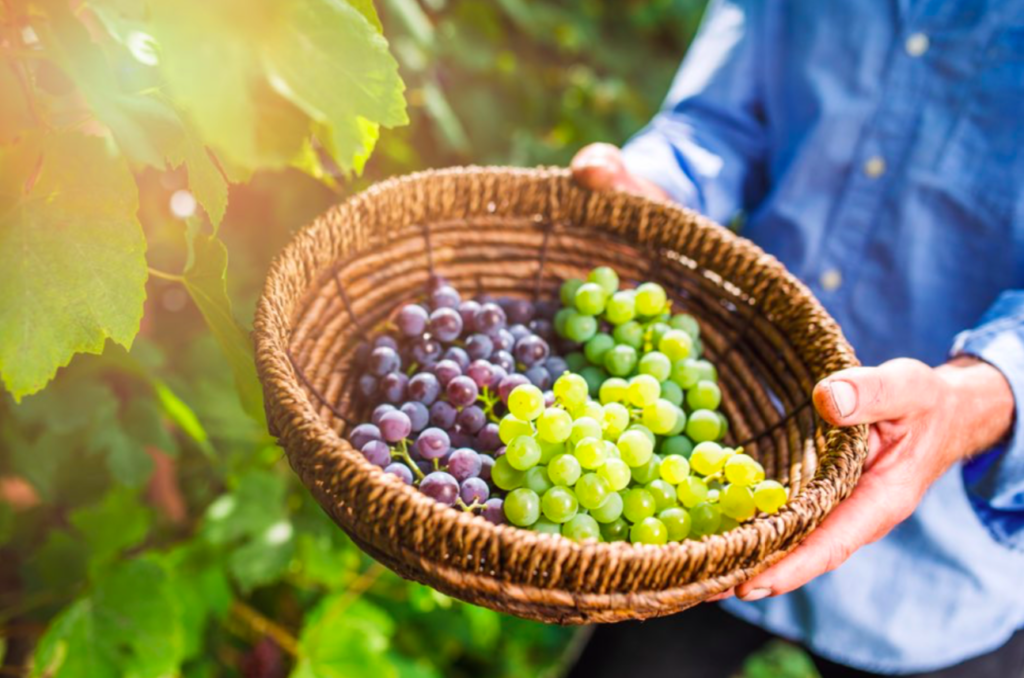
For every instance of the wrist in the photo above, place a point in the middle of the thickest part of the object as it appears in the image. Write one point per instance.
(979, 405)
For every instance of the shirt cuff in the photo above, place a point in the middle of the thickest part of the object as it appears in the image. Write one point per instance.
(650, 156)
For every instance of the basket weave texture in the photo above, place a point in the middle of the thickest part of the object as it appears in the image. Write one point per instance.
(520, 232)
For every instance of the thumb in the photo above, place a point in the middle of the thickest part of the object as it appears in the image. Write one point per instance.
(867, 395)
(601, 167)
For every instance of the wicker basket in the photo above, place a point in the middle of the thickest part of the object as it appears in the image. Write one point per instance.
(520, 232)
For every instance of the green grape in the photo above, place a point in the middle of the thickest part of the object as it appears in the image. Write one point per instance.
(713, 495)
(680, 425)
(646, 431)
(613, 390)
(703, 425)
(656, 364)
(638, 504)
(523, 453)
(549, 451)
(698, 348)
(522, 507)
(726, 525)
(575, 361)
(704, 396)
(620, 361)
(677, 523)
(649, 531)
(692, 491)
(564, 470)
(645, 473)
(737, 501)
(609, 510)
(579, 327)
(635, 447)
(630, 334)
(655, 331)
(708, 458)
(617, 530)
(591, 490)
(526, 402)
(664, 494)
(742, 469)
(591, 452)
(606, 277)
(674, 469)
(594, 377)
(706, 371)
(567, 293)
(597, 346)
(686, 323)
(704, 520)
(511, 427)
(643, 390)
(770, 496)
(559, 504)
(676, 344)
(536, 479)
(546, 527)
(505, 476)
(680, 445)
(671, 392)
(554, 425)
(560, 319)
(621, 308)
(616, 420)
(686, 373)
(581, 527)
(570, 389)
(616, 472)
(612, 450)
(585, 427)
(661, 416)
(589, 299)
(723, 424)
(650, 299)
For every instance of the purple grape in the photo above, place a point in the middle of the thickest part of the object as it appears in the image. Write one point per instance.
(426, 351)
(395, 426)
(440, 487)
(485, 298)
(412, 320)
(503, 340)
(500, 452)
(486, 464)
(419, 415)
(556, 366)
(494, 511)
(509, 383)
(437, 281)
(549, 398)
(461, 439)
(424, 387)
(362, 353)
(519, 311)
(479, 346)
(400, 470)
(498, 373)
(504, 360)
(425, 467)
(547, 308)
(445, 296)
(433, 443)
(462, 391)
(489, 319)
(487, 439)
(539, 377)
(385, 341)
(471, 419)
(464, 463)
(531, 350)
(377, 453)
(380, 411)
(467, 310)
(363, 434)
(443, 415)
(474, 490)
(393, 386)
(458, 356)
(519, 332)
(367, 385)
(481, 372)
(542, 328)
(446, 324)
(446, 370)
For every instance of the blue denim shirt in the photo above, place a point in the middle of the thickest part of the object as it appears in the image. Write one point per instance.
(876, 148)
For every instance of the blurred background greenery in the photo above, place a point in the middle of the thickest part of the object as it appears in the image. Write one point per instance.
(150, 527)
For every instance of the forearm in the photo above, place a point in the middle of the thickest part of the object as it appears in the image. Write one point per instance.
(979, 396)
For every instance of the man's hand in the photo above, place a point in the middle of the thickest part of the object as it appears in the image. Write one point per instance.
(923, 420)
(600, 167)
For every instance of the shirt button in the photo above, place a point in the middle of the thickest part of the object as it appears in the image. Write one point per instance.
(874, 167)
(917, 44)
(831, 279)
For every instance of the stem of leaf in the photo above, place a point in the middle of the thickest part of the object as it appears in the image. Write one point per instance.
(164, 275)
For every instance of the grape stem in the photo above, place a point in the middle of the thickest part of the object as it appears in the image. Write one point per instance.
(467, 507)
(490, 400)
(403, 453)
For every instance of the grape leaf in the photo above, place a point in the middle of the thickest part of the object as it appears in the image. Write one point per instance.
(366, 8)
(117, 522)
(249, 510)
(346, 638)
(129, 625)
(265, 557)
(73, 256)
(199, 582)
(204, 280)
(205, 179)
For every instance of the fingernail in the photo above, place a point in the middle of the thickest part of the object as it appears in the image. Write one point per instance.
(756, 594)
(844, 396)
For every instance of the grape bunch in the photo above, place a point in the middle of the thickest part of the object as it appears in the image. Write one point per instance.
(442, 378)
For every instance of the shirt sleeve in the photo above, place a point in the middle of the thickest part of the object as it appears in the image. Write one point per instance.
(995, 479)
(706, 146)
